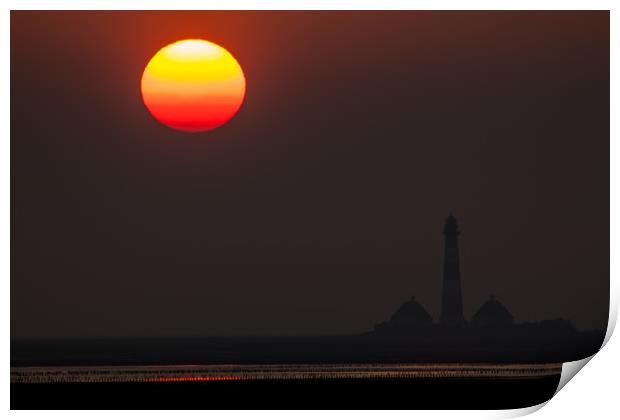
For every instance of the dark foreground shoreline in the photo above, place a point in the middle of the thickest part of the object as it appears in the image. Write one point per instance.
(423, 393)
(458, 346)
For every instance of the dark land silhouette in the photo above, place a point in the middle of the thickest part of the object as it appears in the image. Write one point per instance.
(409, 336)
(492, 331)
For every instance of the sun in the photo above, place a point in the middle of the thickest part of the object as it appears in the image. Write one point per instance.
(193, 85)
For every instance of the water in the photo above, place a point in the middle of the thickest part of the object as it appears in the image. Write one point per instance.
(270, 372)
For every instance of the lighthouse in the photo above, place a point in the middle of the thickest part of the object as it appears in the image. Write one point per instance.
(452, 298)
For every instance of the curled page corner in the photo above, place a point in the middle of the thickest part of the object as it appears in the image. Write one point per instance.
(569, 370)
(518, 412)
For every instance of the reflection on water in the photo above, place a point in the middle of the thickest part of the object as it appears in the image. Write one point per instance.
(179, 373)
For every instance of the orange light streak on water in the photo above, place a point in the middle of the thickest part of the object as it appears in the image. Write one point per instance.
(194, 379)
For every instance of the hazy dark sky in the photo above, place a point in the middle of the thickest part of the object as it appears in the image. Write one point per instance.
(319, 207)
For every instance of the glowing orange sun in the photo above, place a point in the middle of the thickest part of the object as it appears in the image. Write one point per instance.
(193, 85)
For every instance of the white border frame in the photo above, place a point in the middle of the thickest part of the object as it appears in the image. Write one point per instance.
(601, 393)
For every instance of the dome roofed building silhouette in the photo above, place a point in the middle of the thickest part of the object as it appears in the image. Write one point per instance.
(492, 313)
(411, 312)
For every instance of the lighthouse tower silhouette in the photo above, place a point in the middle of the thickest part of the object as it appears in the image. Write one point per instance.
(452, 298)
